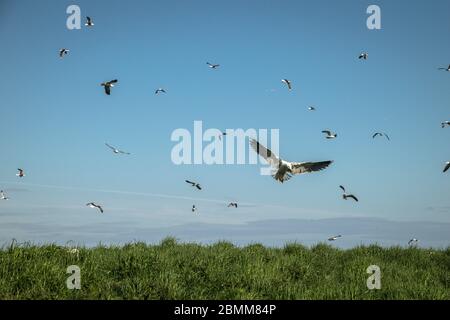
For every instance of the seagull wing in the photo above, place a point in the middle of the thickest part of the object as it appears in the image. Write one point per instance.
(306, 167)
(198, 187)
(111, 147)
(113, 81)
(193, 183)
(107, 89)
(123, 152)
(268, 155)
(387, 137)
(327, 132)
(447, 167)
(376, 134)
(353, 197)
(342, 187)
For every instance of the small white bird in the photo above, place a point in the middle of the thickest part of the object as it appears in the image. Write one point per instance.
(2, 196)
(447, 166)
(329, 134)
(21, 173)
(363, 55)
(381, 135)
(311, 108)
(89, 22)
(159, 90)
(63, 52)
(445, 124)
(213, 66)
(446, 69)
(232, 204)
(115, 150)
(334, 238)
(345, 196)
(194, 208)
(413, 241)
(108, 85)
(94, 206)
(194, 184)
(283, 170)
(287, 82)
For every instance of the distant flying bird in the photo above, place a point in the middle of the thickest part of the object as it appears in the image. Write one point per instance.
(89, 22)
(115, 150)
(381, 135)
(334, 238)
(446, 69)
(445, 124)
(345, 196)
(413, 241)
(287, 82)
(108, 85)
(283, 170)
(232, 204)
(222, 134)
(2, 196)
(160, 90)
(194, 184)
(213, 66)
(193, 208)
(311, 109)
(329, 134)
(63, 52)
(447, 166)
(21, 173)
(363, 55)
(95, 206)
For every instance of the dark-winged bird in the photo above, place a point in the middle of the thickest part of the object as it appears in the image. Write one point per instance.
(345, 196)
(63, 52)
(213, 66)
(89, 22)
(194, 184)
(115, 150)
(376, 134)
(287, 82)
(108, 85)
(95, 206)
(329, 134)
(447, 166)
(21, 173)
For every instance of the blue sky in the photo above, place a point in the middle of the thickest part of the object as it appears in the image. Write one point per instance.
(55, 117)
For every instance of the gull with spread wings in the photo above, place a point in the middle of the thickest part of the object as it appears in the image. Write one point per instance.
(284, 170)
(115, 150)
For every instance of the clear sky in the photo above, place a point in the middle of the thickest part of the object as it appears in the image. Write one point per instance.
(55, 117)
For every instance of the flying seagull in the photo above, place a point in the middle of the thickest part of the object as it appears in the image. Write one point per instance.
(108, 85)
(63, 52)
(93, 205)
(232, 204)
(334, 238)
(446, 69)
(194, 184)
(213, 66)
(160, 90)
(329, 134)
(283, 170)
(345, 196)
(21, 173)
(287, 82)
(115, 150)
(311, 108)
(413, 241)
(2, 196)
(363, 55)
(89, 22)
(381, 135)
(447, 166)
(193, 208)
(445, 124)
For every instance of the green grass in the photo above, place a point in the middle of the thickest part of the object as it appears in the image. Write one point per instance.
(174, 270)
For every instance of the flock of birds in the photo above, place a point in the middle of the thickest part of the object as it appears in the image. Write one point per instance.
(282, 170)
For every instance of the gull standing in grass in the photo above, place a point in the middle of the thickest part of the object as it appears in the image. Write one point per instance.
(115, 150)
(95, 206)
(345, 196)
(108, 85)
(283, 170)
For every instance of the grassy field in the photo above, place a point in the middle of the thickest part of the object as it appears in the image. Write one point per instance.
(174, 270)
